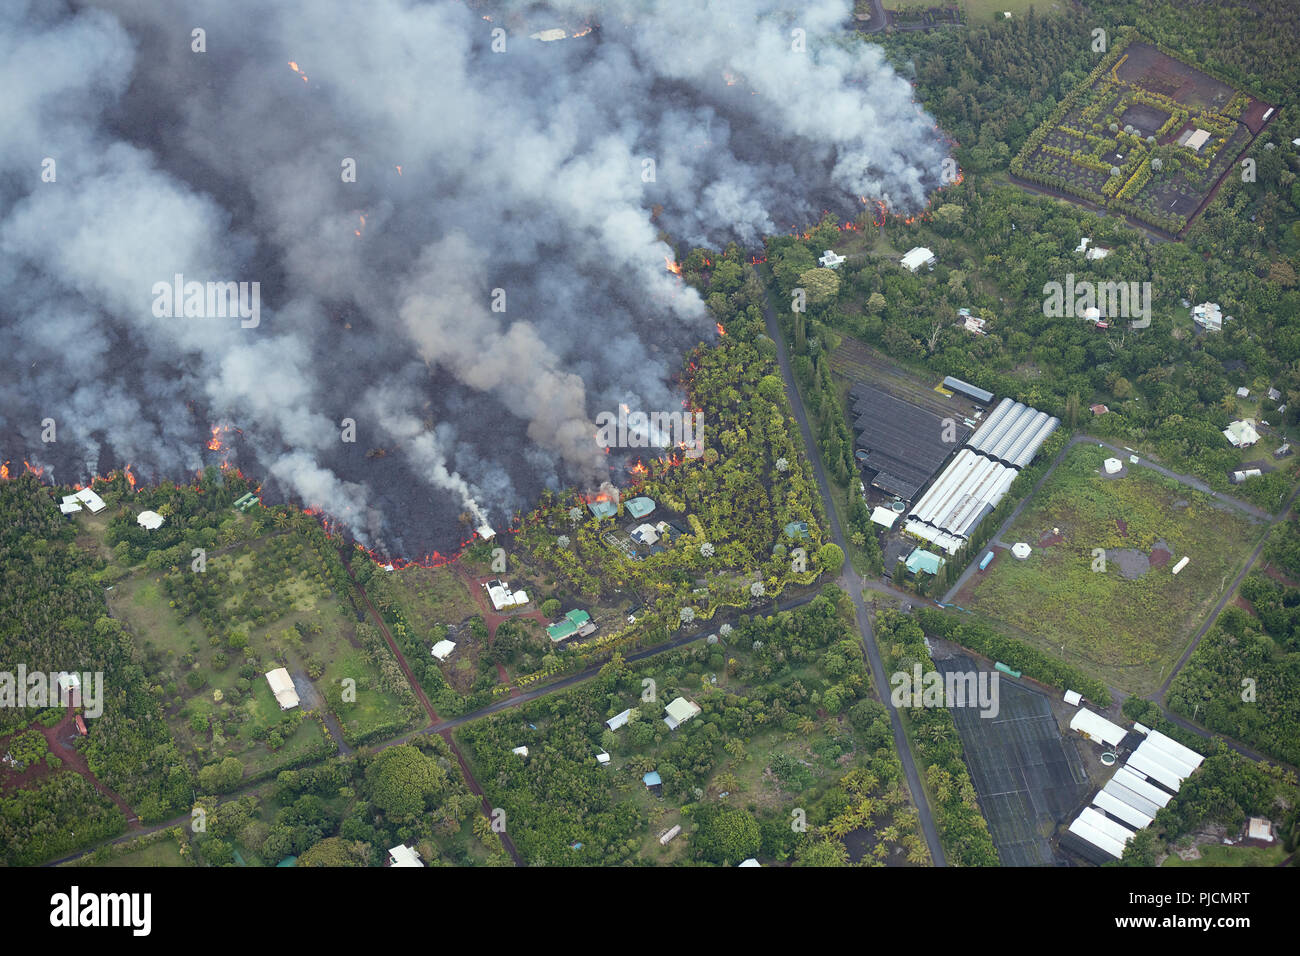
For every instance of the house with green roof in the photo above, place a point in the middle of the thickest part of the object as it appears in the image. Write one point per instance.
(603, 509)
(925, 561)
(575, 623)
(797, 529)
(639, 507)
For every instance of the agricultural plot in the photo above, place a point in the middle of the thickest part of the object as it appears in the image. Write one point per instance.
(1146, 135)
(1028, 779)
(1098, 588)
(210, 637)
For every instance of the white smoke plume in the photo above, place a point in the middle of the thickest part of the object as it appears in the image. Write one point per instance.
(523, 170)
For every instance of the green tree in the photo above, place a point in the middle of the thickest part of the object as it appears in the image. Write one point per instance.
(832, 557)
(221, 777)
(820, 284)
(726, 835)
(827, 852)
(401, 780)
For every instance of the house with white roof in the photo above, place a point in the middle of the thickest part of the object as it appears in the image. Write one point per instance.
(680, 711)
(917, 257)
(94, 504)
(1242, 434)
(1208, 316)
(282, 687)
(1194, 140)
(442, 650)
(1096, 727)
(150, 520)
(502, 597)
(830, 260)
(403, 855)
(645, 534)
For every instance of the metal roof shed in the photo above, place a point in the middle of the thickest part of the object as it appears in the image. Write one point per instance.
(1127, 797)
(1099, 821)
(1110, 845)
(1158, 772)
(1185, 754)
(1096, 727)
(1130, 778)
(1118, 808)
(967, 389)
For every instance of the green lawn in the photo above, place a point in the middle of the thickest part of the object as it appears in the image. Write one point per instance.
(163, 852)
(432, 595)
(1128, 633)
(980, 11)
(1216, 854)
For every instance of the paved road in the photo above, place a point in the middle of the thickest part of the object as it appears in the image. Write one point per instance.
(879, 19)
(853, 583)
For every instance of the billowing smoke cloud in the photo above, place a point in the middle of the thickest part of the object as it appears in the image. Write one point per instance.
(492, 279)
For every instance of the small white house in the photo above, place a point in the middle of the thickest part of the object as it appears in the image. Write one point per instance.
(1020, 550)
(1243, 392)
(92, 501)
(282, 687)
(680, 711)
(830, 260)
(917, 257)
(602, 758)
(442, 650)
(150, 520)
(1196, 140)
(618, 720)
(503, 598)
(1180, 565)
(1073, 698)
(403, 855)
(69, 687)
(521, 751)
(1242, 434)
(1112, 466)
(1259, 828)
(70, 505)
(1208, 316)
(645, 534)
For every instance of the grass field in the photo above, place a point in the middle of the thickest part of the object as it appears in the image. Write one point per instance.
(981, 11)
(158, 853)
(270, 591)
(1128, 633)
(432, 595)
(1220, 855)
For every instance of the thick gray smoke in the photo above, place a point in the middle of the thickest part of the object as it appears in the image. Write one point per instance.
(492, 280)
